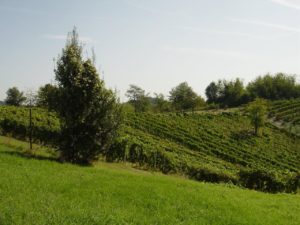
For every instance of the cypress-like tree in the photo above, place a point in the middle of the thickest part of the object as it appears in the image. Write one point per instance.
(90, 114)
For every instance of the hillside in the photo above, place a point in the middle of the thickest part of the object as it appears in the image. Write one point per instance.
(286, 114)
(215, 147)
(42, 191)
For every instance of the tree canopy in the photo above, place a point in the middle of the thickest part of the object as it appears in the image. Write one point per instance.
(257, 112)
(183, 97)
(47, 96)
(14, 97)
(138, 98)
(280, 86)
(227, 93)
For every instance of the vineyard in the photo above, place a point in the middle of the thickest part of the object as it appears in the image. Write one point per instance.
(15, 121)
(286, 113)
(216, 147)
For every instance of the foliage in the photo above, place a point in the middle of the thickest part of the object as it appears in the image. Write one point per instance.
(287, 111)
(279, 86)
(14, 97)
(257, 111)
(138, 98)
(227, 93)
(47, 96)
(206, 147)
(269, 181)
(286, 114)
(183, 97)
(161, 104)
(14, 121)
(213, 92)
(89, 113)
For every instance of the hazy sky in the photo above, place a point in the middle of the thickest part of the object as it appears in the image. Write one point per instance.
(155, 44)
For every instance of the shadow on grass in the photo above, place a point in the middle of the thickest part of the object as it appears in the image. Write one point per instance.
(30, 156)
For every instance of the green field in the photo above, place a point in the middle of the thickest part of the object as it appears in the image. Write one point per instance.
(213, 147)
(42, 191)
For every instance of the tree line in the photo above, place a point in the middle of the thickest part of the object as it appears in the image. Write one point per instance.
(220, 94)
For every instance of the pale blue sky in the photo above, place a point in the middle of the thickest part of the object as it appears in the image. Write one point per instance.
(155, 44)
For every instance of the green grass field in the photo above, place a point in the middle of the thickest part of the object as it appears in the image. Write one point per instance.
(42, 191)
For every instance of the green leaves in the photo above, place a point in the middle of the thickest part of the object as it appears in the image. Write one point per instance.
(14, 97)
(89, 113)
(183, 97)
(257, 111)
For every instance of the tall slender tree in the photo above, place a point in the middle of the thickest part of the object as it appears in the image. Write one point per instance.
(90, 114)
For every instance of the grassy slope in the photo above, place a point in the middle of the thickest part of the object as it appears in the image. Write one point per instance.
(46, 192)
(221, 142)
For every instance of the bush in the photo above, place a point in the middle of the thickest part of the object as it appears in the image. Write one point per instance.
(269, 181)
(205, 174)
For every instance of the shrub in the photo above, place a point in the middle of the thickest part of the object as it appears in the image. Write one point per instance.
(269, 181)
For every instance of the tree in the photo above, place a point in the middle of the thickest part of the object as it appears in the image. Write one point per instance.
(89, 113)
(161, 104)
(257, 113)
(183, 97)
(212, 92)
(279, 86)
(227, 93)
(47, 96)
(14, 97)
(234, 93)
(138, 98)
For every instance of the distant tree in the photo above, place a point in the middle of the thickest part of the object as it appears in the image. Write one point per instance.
(279, 86)
(212, 92)
(47, 96)
(138, 98)
(200, 102)
(89, 113)
(161, 104)
(257, 113)
(227, 93)
(234, 93)
(183, 97)
(14, 97)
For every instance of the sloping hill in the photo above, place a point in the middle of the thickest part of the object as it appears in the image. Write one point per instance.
(286, 114)
(221, 143)
(218, 147)
(42, 191)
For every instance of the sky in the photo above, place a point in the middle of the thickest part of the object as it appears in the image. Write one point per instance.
(155, 44)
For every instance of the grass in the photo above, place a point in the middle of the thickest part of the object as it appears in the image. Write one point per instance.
(42, 191)
(209, 146)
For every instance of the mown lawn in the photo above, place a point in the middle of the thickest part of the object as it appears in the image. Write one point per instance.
(43, 191)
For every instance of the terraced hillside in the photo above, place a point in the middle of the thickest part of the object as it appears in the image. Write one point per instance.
(217, 147)
(286, 113)
(222, 142)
